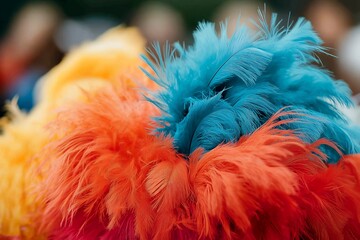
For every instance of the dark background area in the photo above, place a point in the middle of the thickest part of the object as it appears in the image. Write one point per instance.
(192, 10)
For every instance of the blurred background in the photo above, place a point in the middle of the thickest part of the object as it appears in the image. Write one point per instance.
(35, 35)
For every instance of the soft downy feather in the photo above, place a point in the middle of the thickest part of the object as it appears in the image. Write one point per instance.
(111, 178)
(209, 118)
(328, 197)
(106, 167)
(107, 175)
(97, 152)
(111, 58)
(271, 185)
(237, 185)
(258, 75)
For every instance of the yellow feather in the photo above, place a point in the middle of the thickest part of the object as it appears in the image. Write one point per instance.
(90, 67)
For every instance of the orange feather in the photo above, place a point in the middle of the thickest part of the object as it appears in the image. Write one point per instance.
(108, 172)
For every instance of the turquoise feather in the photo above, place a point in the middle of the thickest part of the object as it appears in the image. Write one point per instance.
(224, 87)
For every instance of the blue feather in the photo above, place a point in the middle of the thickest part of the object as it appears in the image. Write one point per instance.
(250, 103)
(210, 121)
(224, 87)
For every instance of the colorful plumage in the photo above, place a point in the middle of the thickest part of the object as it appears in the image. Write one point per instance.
(111, 178)
(249, 77)
(113, 58)
(244, 140)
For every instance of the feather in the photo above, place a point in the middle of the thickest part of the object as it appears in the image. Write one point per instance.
(228, 160)
(209, 123)
(105, 166)
(84, 227)
(258, 75)
(353, 113)
(100, 163)
(93, 229)
(124, 229)
(110, 178)
(249, 103)
(90, 145)
(232, 198)
(86, 69)
(168, 186)
(226, 61)
(166, 182)
(329, 198)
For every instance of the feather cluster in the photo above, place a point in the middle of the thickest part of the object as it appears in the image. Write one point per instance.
(222, 88)
(111, 179)
(110, 59)
(243, 140)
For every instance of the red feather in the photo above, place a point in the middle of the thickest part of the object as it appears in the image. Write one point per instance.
(330, 199)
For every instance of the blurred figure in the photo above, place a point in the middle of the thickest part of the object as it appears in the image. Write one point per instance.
(159, 22)
(349, 60)
(332, 21)
(73, 33)
(243, 12)
(28, 51)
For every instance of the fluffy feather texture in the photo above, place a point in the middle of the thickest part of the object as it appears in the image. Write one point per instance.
(98, 167)
(256, 75)
(329, 198)
(109, 177)
(233, 169)
(89, 68)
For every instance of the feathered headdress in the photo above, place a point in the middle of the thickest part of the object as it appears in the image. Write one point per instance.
(226, 161)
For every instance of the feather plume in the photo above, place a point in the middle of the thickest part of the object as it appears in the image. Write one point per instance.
(218, 64)
(209, 117)
(258, 75)
(168, 185)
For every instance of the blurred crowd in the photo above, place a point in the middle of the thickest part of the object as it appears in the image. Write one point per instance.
(35, 35)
